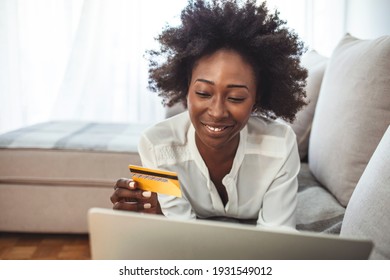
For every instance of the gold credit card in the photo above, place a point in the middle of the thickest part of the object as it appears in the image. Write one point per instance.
(159, 181)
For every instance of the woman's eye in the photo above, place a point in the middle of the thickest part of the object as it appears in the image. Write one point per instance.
(236, 99)
(202, 94)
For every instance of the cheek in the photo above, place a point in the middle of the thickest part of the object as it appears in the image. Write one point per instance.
(192, 107)
(190, 103)
(193, 104)
(243, 117)
(242, 113)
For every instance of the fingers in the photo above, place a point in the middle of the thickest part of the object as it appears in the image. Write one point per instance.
(128, 197)
(140, 196)
(122, 184)
(136, 207)
(125, 183)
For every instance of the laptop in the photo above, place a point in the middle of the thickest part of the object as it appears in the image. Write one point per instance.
(121, 235)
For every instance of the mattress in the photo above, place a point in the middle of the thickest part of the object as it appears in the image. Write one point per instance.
(52, 173)
(69, 153)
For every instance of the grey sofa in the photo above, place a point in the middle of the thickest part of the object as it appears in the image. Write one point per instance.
(344, 183)
(52, 173)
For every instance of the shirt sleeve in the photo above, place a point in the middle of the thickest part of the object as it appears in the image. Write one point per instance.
(171, 206)
(280, 200)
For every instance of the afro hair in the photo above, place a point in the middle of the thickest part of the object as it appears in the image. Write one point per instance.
(272, 49)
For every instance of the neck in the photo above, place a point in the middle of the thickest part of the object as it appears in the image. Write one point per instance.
(218, 155)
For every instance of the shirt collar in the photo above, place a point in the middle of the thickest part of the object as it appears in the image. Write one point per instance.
(237, 159)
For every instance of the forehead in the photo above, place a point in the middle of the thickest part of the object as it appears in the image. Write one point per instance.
(224, 64)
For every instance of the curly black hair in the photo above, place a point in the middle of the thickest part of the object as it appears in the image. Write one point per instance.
(272, 49)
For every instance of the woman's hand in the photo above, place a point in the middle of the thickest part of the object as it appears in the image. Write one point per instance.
(128, 197)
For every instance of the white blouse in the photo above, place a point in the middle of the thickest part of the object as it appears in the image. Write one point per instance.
(261, 186)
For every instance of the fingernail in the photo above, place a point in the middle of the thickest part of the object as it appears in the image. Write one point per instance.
(147, 206)
(147, 194)
(131, 185)
(131, 202)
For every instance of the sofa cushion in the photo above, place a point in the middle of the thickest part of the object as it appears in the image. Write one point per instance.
(315, 65)
(352, 113)
(317, 209)
(367, 214)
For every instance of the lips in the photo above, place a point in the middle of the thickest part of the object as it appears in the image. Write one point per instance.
(216, 128)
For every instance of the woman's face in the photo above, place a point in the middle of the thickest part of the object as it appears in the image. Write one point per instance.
(220, 98)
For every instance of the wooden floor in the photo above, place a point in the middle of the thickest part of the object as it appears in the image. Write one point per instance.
(25, 246)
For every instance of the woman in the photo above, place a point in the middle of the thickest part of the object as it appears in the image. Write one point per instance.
(236, 69)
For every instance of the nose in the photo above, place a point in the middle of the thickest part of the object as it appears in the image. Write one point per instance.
(217, 108)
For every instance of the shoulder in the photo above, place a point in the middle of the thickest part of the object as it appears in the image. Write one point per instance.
(271, 137)
(170, 131)
(268, 127)
(166, 142)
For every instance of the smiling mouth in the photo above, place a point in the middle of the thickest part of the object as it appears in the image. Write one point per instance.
(216, 129)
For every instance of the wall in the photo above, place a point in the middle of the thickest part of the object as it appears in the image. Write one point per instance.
(368, 19)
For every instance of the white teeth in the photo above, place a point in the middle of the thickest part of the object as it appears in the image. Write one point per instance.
(215, 128)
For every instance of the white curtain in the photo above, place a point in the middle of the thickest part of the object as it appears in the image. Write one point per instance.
(320, 23)
(79, 59)
(83, 59)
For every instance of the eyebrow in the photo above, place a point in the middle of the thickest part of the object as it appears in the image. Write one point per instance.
(228, 86)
